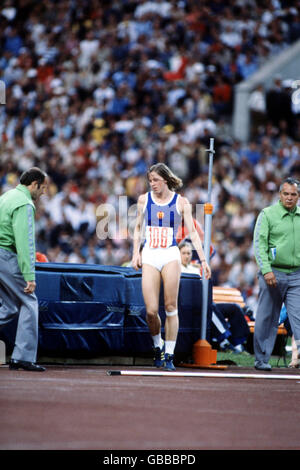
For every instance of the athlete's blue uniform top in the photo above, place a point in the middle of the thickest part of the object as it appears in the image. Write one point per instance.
(166, 218)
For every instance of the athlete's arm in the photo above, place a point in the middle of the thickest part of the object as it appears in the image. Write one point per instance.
(136, 256)
(186, 211)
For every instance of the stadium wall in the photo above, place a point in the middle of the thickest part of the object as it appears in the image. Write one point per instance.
(287, 64)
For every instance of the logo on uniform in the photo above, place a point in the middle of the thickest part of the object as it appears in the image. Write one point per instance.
(160, 215)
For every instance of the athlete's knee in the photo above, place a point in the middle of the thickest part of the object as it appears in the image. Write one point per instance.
(151, 314)
(171, 312)
(170, 306)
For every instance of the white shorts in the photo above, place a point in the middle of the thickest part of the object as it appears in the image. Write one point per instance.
(159, 257)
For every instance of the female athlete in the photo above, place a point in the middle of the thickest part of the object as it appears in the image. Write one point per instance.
(160, 212)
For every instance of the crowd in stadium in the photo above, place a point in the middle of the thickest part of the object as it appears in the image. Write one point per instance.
(97, 91)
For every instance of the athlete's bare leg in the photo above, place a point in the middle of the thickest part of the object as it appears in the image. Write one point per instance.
(171, 279)
(151, 281)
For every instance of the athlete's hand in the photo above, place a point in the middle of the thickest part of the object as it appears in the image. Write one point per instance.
(30, 287)
(206, 270)
(270, 279)
(137, 262)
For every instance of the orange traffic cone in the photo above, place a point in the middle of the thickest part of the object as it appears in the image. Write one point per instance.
(204, 357)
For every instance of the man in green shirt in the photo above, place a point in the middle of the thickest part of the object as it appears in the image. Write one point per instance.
(277, 252)
(17, 266)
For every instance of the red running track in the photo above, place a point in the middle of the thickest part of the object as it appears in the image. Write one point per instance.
(83, 408)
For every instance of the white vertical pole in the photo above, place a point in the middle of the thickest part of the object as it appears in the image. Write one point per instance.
(2, 352)
(207, 240)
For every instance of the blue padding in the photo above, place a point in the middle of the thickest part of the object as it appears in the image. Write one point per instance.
(99, 310)
(48, 285)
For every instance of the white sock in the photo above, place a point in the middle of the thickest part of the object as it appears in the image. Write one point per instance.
(157, 341)
(170, 346)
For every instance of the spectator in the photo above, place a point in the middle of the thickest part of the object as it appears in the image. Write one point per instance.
(90, 96)
(274, 101)
(186, 249)
(258, 109)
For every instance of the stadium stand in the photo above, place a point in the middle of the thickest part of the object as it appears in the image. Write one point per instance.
(97, 91)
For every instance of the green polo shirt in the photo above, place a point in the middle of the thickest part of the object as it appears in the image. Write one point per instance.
(277, 239)
(17, 228)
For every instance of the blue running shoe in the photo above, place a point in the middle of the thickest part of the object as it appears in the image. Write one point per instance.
(159, 356)
(168, 365)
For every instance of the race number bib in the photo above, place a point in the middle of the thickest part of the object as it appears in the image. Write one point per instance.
(159, 237)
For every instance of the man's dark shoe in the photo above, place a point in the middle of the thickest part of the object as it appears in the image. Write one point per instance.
(31, 366)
